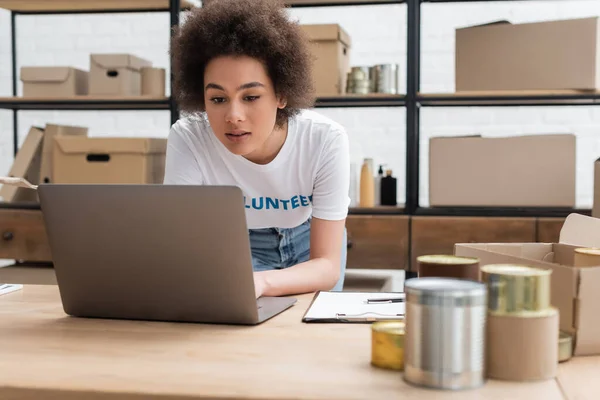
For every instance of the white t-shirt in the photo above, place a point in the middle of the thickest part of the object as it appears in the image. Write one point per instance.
(309, 176)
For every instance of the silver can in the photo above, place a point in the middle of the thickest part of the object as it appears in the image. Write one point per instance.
(387, 78)
(445, 333)
(373, 79)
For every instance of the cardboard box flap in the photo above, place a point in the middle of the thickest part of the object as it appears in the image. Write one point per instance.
(54, 129)
(580, 230)
(532, 251)
(453, 137)
(596, 203)
(85, 145)
(499, 22)
(322, 32)
(45, 74)
(563, 282)
(129, 61)
(588, 324)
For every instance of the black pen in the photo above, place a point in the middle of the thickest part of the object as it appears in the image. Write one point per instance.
(377, 301)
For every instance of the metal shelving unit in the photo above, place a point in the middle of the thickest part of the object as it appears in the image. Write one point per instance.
(416, 100)
(413, 100)
(16, 8)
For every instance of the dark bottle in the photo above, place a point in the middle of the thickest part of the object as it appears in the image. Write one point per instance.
(388, 189)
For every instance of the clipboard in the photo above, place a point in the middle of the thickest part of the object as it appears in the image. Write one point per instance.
(351, 307)
(6, 288)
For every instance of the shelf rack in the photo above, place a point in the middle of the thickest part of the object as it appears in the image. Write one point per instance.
(415, 100)
(412, 101)
(48, 7)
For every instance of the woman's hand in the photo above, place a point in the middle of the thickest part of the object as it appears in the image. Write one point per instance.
(320, 272)
(259, 284)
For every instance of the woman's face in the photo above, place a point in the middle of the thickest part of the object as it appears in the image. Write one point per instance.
(241, 105)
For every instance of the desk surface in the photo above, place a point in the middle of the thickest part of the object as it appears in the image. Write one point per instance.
(46, 354)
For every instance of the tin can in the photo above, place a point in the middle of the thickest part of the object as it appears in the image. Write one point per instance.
(373, 79)
(358, 80)
(565, 346)
(359, 73)
(522, 346)
(586, 257)
(387, 78)
(445, 333)
(516, 288)
(447, 266)
(387, 345)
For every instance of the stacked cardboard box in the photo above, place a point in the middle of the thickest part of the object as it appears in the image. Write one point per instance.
(109, 160)
(553, 55)
(65, 154)
(109, 75)
(330, 46)
(520, 171)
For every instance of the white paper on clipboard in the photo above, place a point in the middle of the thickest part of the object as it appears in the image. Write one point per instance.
(6, 288)
(353, 307)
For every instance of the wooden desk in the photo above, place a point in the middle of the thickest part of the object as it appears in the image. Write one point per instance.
(48, 355)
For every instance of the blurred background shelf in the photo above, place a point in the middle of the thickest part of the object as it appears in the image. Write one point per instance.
(362, 100)
(541, 212)
(510, 98)
(87, 6)
(86, 103)
(162, 103)
(412, 101)
(328, 3)
(377, 210)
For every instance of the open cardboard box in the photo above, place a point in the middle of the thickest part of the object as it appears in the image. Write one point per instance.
(574, 291)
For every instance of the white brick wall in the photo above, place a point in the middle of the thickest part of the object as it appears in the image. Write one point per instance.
(379, 36)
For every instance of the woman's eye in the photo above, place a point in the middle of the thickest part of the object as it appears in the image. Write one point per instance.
(252, 98)
(217, 100)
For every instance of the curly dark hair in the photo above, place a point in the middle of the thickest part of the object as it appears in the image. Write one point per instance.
(259, 29)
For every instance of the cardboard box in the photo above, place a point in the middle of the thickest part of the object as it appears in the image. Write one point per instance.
(27, 166)
(116, 74)
(483, 171)
(330, 45)
(550, 55)
(574, 291)
(50, 133)
(153, 81)
(54, 81)
(596, 206)
(109, 160)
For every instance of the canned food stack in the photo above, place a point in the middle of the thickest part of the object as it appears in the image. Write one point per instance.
(522, 326)
(445, 333)
(381, 78)
(358, 80)
(448, 266)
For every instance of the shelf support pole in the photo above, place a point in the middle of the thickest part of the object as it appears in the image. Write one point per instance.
(412, 113)
(13, 39)
(174, 11)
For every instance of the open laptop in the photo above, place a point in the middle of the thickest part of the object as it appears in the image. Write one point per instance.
(154, 252)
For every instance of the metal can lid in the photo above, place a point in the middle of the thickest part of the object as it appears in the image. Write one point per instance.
(392, 327)
(444, 287)
(447, 259)
(565, 346)
(514, 270)
(588, 250)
